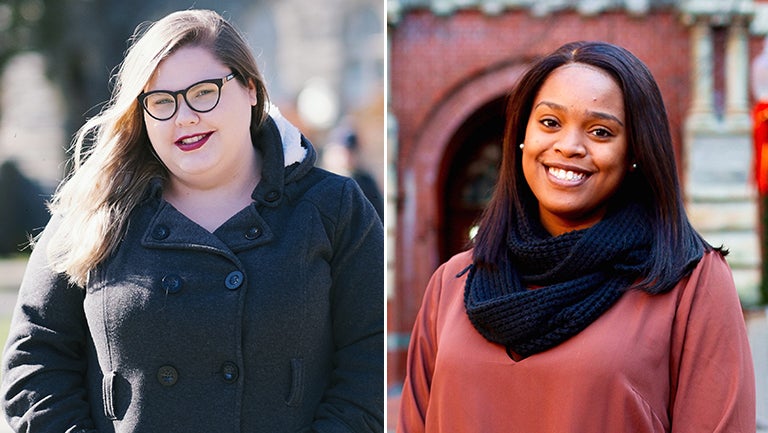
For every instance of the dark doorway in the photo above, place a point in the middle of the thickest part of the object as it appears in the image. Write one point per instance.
(470, 173)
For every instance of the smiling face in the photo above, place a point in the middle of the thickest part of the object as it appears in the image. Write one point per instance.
(575, 154)
(202, 150)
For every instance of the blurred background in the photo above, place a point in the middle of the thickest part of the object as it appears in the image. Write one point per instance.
(323, 61)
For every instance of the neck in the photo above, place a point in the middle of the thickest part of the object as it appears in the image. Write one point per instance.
(556, 225)
(212, 203)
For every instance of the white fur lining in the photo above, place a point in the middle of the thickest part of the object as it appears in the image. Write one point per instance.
(293, 151)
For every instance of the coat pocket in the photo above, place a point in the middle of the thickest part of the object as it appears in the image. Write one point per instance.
(108, 394)
(296, 392)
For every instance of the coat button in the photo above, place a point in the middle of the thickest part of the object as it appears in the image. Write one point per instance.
(167, 375)
(252, 233)
(234, 280)
(229, 372)
(172, 283)
(160, 232)
(272, 196)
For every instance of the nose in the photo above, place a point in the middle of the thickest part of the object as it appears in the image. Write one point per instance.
(184, 114)
(571, 143)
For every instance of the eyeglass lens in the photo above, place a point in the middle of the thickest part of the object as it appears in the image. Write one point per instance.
(201, 97)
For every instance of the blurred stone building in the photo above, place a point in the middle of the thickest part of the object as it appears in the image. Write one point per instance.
(453, 62)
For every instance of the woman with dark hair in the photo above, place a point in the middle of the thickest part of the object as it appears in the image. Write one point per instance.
(588, 303)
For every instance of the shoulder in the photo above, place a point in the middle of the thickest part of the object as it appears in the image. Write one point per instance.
(337, 202)
(317, 181)
(710, 285)
(451, 275)
(458, 263)
(712, 270)
(329, 192)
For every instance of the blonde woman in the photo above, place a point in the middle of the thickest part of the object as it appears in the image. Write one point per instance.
(198, 272)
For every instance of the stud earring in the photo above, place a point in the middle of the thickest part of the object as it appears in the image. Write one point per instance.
(634, 166)
(522, 145)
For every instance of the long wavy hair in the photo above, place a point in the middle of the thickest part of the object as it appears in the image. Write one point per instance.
(654, 184)
(113, 161)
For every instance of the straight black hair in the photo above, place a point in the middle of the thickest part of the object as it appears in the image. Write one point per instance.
(654, 184)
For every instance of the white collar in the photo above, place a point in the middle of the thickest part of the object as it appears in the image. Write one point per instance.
(293, 151)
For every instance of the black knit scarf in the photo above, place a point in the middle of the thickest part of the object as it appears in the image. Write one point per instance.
(577, 276)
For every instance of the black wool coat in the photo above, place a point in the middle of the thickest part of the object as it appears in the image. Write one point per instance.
(273, 323)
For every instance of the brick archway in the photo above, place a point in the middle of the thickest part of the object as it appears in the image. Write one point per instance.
(421, 178)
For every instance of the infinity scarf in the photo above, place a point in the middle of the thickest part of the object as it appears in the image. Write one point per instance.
(578, 275)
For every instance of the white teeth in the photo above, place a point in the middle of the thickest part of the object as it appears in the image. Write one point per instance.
(566, 174)
(194, 139)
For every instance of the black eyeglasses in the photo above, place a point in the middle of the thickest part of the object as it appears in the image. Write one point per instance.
(202, 97)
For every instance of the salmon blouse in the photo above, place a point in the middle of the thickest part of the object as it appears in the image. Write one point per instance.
(675, 362)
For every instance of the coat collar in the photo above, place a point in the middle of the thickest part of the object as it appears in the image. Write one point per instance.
(287, 156)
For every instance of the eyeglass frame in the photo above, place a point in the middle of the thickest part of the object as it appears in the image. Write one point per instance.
(219, 82)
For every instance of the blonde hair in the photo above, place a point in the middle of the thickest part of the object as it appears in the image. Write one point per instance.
(113, 160)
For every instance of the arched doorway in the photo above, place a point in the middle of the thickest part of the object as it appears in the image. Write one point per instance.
(472, 165)
(460, 128)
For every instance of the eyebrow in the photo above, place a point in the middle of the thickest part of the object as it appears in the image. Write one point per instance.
(597, 114)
